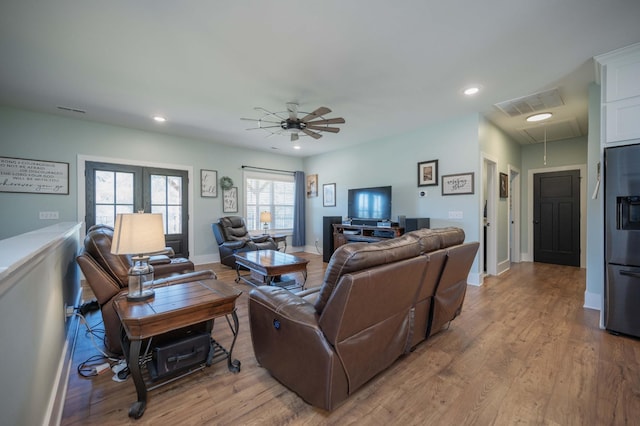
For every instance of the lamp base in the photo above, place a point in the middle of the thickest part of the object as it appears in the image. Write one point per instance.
(144, 295)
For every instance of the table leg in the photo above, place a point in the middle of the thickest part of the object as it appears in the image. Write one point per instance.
(137, 408)
(238, 278)
(233, 364)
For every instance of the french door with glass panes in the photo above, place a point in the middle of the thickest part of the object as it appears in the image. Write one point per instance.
(119, 188)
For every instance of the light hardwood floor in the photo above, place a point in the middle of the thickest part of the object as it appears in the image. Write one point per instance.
(523, 351)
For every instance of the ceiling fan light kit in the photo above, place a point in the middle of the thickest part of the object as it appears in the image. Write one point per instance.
(288, 122)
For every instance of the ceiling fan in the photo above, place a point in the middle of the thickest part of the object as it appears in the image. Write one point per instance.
(283, 122)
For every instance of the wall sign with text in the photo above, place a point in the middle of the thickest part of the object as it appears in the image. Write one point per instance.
(459, 184)
(33, 176)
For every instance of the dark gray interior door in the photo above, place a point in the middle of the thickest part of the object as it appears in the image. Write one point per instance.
(556, 217)
(116, 188)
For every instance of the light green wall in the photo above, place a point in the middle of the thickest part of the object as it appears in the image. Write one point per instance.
(394, 161)
(38, 136)
(496, 144)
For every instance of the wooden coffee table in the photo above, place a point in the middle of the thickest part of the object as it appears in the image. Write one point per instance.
(268, 266)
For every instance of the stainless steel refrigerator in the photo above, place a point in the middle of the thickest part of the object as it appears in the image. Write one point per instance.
(622, 239)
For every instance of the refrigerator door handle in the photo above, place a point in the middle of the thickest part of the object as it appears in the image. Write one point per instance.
(630, 274)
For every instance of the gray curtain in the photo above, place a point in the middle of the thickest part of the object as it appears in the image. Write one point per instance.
(298, 237)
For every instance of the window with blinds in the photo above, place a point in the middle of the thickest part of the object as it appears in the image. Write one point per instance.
(271, 192)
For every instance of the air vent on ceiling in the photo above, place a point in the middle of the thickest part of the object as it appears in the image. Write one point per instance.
(556, 130)
(70, 109)
(533, 103)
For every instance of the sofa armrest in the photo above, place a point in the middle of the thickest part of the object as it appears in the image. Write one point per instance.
(289, 343)
(159, 259)
(185, 278)
(261, 238)
(234, 245)
(285, 304)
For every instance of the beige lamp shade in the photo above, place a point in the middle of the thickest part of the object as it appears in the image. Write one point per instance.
(138, 233)
(265, 217)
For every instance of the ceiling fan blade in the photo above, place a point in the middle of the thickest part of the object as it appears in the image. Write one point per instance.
(317, 113)
(312, 134)
(292, 109)
(294, 137)
(275, 114)
(323, 128)
(337, 120)
(260, 120)
(263, 127)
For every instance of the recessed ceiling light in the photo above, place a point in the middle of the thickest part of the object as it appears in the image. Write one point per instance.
(159, 118)
(472, 90)
(539, 117)
(296, 147)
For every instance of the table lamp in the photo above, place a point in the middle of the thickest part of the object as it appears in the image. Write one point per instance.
(265, 218)
(136, 234)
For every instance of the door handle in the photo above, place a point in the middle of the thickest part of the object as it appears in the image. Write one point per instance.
(630, 274)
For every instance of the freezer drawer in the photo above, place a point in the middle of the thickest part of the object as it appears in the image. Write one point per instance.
(622, 300)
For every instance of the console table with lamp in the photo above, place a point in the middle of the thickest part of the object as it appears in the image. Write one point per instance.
(148, 316)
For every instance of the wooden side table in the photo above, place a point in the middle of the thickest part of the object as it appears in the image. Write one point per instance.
(280, 238)
(174, 307)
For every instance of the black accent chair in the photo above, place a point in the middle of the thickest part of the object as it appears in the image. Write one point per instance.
(232, 237)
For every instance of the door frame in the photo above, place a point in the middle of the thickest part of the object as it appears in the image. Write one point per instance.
(489, 171)
(583, 208)
(82, 159)
(513, 239)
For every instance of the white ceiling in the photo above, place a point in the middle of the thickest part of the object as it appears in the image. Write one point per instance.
(387, 67)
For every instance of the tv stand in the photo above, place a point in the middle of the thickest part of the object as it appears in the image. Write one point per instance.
(344, 234)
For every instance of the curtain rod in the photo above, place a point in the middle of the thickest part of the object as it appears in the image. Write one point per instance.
(271, 170)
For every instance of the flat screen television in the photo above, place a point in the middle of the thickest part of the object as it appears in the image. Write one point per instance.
(370, 203)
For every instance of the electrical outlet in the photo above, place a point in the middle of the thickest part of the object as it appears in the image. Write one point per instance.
(48, 215)
(68, 310)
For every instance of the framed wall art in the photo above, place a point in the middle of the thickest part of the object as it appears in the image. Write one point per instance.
(428, 173)
(230, 200)
(329, 195)
(34, 176)
(312, 186)
(458, 184)
(504, 185)
(208, 183)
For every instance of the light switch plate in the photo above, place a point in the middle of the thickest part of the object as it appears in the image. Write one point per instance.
(48, 215)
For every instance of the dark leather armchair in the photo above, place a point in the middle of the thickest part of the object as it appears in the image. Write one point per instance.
(232, 237)
(107, 275)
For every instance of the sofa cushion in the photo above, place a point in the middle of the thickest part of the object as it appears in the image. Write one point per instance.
(357, 256)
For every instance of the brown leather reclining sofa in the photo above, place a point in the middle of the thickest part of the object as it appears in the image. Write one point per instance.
(376, 303)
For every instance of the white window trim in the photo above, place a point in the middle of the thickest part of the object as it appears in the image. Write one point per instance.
(250, 174)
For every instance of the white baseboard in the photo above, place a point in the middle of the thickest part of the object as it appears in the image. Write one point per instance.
(205, 258)
(592, 301)
(526, 257)
(58, 396)
(503, 266)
